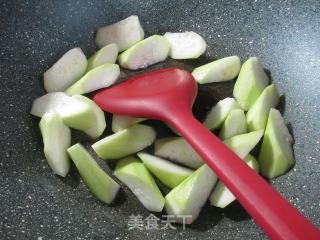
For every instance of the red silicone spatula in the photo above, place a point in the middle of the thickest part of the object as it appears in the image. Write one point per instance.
(168, 95)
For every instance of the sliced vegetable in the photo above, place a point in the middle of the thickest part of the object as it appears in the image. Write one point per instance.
(244, 143)
(124, 33)
(120, 122)
(179, 150)
(168, 173)
(234, 124)
(219, 113)
(107, 54)
(100, 122)
(67, 70)
(251, 81)
(99, 77)
(99, 182)
(50, 102)
(125, 142)
(257, 115)
(190, 195)
(224, 69)
(56, 139)
(149, 51)
(221, 195)
(276, 154)
(136, 176)
(185, 45)
(75, 113)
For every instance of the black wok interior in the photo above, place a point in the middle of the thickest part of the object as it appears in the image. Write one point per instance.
(36, 204)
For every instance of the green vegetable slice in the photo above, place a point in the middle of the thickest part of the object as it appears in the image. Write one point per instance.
(99, 182)
(276, 154)
(125, 142)
(124, 33)
(251, 81)
(100, 122)
(107, 54)
(185, 45)
(75, 113)
(221, 195)
(168, 173)
(97, 78)
(67, 70)
(136, 176)
(149, 51)
(224, 69)
(257, 115)
(120, 122)
(234, 124)
(242, 144)
(190, 195)
(219, 113)
(56, 139)
(179, 150)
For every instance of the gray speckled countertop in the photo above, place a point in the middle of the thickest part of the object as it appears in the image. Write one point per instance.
(35, 204)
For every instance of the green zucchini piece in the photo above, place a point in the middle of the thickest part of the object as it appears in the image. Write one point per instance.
(125, 142)
(242, 144)
(179, 150)
(120, 122)
(107, 54)
(168, 173)
(100, 122)
(219, 113)
(99, 77)
(149, 51)
(276, 154)
(257, 115)
(234, 124)
(124, 33)
(185, 45)
(75, 113)
(221, 70)
(190, 195)
(221, 195)
(251, 81)
(99, 182)
(67, 70)
(56, 139)
(135, 175)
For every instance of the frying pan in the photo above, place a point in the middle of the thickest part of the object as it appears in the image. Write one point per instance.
(36, 204)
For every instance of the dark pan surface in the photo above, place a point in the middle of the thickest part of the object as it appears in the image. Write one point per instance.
(36, 204)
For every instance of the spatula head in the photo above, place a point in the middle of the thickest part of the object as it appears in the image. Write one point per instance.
(150, 95)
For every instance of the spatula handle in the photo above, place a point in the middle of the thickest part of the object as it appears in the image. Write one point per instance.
(275, 215)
